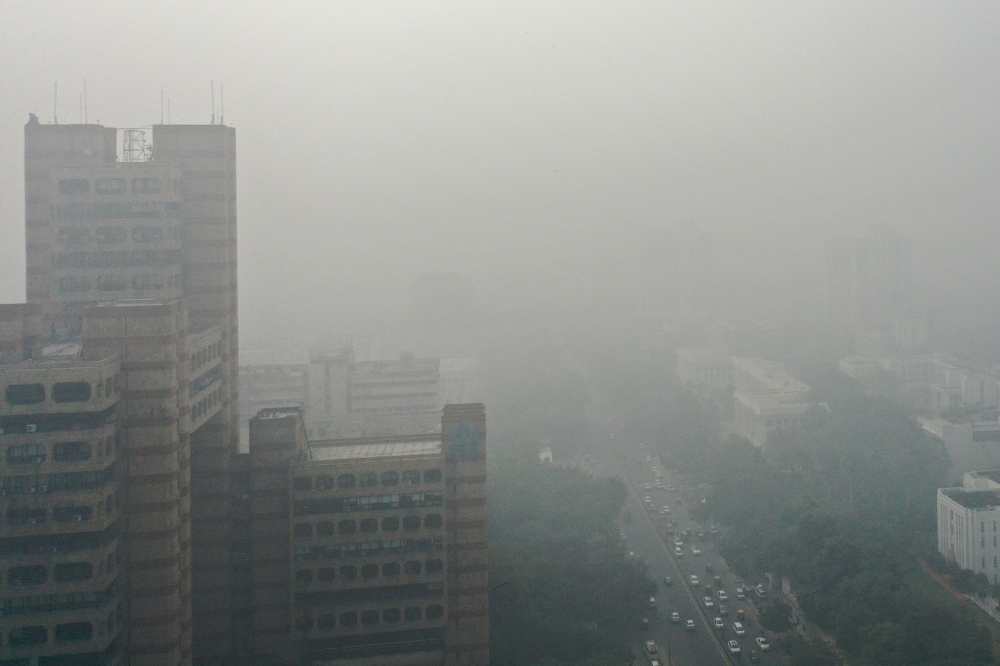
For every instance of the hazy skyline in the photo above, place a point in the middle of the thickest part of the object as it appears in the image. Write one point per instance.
(379, 141)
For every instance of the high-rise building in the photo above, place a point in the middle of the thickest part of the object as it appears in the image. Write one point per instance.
(371, 550)
(131, 260)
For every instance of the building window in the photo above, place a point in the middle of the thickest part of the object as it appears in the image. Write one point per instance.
(345, 481)
(35, 574)
(325, 528)
(326, 574)
(146, 185)
(147, 234)
(74, 235)
(70, 512)
(348, 572)
(433, 520)
(71, 451)
(348, 619)
(390, 569)
(435, 612)
(25, 394)
(347, 527)
(434, 566)
(369, 571)
(413, 614)
(73, 571)
(324, 483)
(73, 284)
(109, 186)
(411, 478)
(411, 523)
(303, 623)
(391, 615)
(28, 636)
(304, 576)
(111, 283)
(71, 392)
(432, 476)
(369, 525)
(412, 568)
(74, 186)
(302, 483)
(26, 515)
(390, 524)
(111, 235)
(326, 621)
(369, 618)
(369, 480)
(303, 530)
(390, 478)
(25, 454)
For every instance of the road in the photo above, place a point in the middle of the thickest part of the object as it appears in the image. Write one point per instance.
(645, 536)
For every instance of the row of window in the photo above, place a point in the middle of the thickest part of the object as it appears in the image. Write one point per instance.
(368, 618)
(367, 525)
(46, 603)
(205, 404)
(39, 635)
(113, 235)
(34, 394)
(144, 282)
(54, 483)
(368, 548)
(74, 186)
(366, 480)
(67, 572)
(63, 512)
(325, 505)
(35, 454)
(349, 572)
(117, 259)
(203, 356)
(114, 210)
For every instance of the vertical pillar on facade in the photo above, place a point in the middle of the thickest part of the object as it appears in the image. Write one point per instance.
(146, 338)
(463, 431)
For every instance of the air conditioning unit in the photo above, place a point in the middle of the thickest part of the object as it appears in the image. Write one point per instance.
(31, 427)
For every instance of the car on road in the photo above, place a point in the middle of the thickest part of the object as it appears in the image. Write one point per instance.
(668, 581)
(675, 617)
(678, 541)
(741, 593)
(695, 550)
(648, 500)
(719, 623)
(738, 628)
(734, 647)
(648, 486)
(652, 602)
(671, 489)
(694, 580)
(689, 625)
(649, 458)
(651, 650)
(760, 591)
(678, 551)
(723, 611)
(708, 602)
(755, 657)
(722, 595)
(762, 643)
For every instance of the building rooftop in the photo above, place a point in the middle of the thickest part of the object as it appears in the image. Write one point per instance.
(974, 499)
(375, 450)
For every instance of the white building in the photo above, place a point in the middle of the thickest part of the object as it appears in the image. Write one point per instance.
(759, 414)
(967, 523)
(704, 366)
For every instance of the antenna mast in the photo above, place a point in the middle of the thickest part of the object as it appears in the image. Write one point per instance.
(55, 105)
(222, 99)
(213, 101)
(85, 118)
(161, 106)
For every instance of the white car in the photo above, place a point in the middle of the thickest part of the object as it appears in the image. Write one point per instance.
(649, 458)
(647, 499)
(734, 647)
(689, 625)
(647, 486)
(652, 602)
(678, 551)
(695, 550)
(741, 593)
(722, 595)
(738, 629)
(708, 602)
(719, 623)
(694, 580)
(678, 541)
(675, 617)
(762, 643)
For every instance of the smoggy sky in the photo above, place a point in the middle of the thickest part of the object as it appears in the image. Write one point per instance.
(377, 141)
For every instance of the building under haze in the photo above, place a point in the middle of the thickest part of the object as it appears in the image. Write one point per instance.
(118, 411)
(371, 550)
(967, 523)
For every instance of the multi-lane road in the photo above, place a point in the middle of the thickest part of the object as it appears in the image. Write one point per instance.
(705, 645)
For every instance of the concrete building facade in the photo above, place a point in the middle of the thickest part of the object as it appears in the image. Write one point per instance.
(967, 523)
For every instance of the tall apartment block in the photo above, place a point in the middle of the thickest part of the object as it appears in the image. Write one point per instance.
(131, 265)
(369, 551)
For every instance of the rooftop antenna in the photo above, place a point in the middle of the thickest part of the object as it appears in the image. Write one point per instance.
(168, 110)
(55, 105)
(222, 99)
(85, 118)
(81, 107)
(161, 106)
(213, 102)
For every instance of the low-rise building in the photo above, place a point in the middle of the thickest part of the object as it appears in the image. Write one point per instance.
(968, 520)
(708, 366)
(759, 414)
